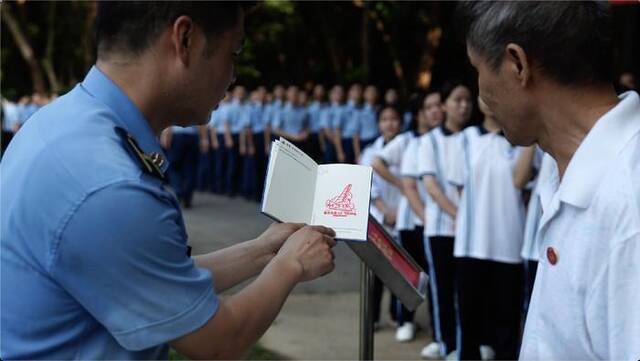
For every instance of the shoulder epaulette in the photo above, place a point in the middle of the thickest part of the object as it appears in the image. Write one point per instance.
(150, 163)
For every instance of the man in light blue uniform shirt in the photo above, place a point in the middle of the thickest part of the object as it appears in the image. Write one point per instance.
(346, 128)
(292, 123)
(233, 120)
(369, 117)
(316, 113)
(183, 156)
(332, 115)
(94, 256)
(273, 109)
(255, 160)
(216, 126)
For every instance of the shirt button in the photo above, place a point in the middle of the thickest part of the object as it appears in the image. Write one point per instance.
(552, 256)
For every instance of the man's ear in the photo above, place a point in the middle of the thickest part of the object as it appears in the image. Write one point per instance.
(182, 34)
(517, 64)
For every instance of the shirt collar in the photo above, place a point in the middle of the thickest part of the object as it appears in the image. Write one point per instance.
(600, 147)
(128, 116)
(445, 130)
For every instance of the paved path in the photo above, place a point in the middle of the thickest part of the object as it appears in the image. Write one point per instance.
(320, 320)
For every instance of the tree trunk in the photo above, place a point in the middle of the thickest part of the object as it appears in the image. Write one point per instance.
(47, 62)
(25, 48)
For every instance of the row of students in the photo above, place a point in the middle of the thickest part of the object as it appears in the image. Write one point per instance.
(460, 213)
(234, 146)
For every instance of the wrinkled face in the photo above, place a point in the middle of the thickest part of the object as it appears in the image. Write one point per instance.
(210, 73)
(432, 109)
(458, 106)
(389, 123)
(511, 104)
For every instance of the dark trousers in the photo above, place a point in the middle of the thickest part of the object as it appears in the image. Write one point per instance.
(329, 152)
(233, 171)
(183, 163)
(313, 147)
(347, 148)
(439, 251)
(378, 288)
(413, 243)
(6, 138)
(219, 184)
(489, 298)
(205, 171)
(260, 165)
(530, 269)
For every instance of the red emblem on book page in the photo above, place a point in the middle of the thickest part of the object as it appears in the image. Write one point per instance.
(341, 205)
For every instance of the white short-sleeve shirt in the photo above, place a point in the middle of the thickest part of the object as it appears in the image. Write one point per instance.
(409, 169)
(587, 304)
(437, 149)
(393, 155)
(491, 214)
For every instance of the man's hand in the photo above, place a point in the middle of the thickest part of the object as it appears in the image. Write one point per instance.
(204, 145)
(308, 251)
(390, 218)
(274, 236)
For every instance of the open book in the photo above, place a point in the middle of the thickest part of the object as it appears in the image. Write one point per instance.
(299, 190)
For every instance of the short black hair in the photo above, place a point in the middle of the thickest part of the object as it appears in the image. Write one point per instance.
(449, 86)
(132, 26)
(570, 41)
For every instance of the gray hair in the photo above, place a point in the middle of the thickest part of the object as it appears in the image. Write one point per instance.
(570, 41)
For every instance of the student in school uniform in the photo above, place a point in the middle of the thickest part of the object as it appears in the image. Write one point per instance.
(272, 111)
(346, 128)
(254, 137)
(233, 126)
(316, 110)
(292, 123)
(402, 152)
(489, 233)
(384, 198)
(368, 117)
(437, 149)
(216, 129)
(429, 117)
(332, 115)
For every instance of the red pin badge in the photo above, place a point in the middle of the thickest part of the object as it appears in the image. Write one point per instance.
(552, 256)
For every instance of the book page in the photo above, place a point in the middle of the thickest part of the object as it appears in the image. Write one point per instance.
(290, 184)
(342, 200)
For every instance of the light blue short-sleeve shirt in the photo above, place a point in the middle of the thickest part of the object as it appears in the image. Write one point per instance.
(94, 261)
(292, 119)
(315, 111)
(368, 123)
(348, 121)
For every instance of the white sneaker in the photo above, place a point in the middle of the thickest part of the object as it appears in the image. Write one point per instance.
(487, 353)
(406, 332)
(431, 351)
(453, 355)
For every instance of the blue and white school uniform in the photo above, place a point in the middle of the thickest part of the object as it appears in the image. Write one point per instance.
(489, 233)
(437, 149)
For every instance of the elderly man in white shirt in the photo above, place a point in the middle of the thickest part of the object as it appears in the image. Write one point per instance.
(544, 69)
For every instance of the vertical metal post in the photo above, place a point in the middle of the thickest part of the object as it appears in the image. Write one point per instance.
(366, 312)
